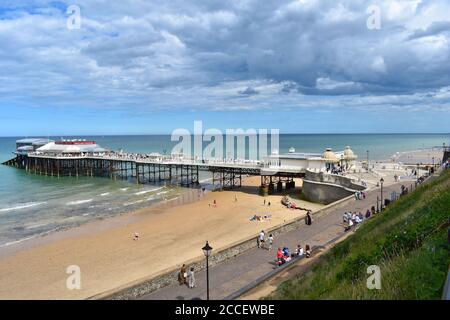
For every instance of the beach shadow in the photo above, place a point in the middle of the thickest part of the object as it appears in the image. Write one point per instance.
(179, 298)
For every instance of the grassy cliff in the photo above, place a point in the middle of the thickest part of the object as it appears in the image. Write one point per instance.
(408, 241)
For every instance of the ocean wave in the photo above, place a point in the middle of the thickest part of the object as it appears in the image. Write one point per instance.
(148, 191)
(20, 206)
(123, 189)
(77, 202)
(33, 226)
(131, 203)
(104, 194)
(162, 192)
(17, 241)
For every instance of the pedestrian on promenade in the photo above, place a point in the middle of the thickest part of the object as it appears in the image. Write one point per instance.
(308, 251)
(308, 219)
(270, 239)
(261, 238)
(280, 257)
(182, 275)
(299, 251)
(191, 278)
(349, 225)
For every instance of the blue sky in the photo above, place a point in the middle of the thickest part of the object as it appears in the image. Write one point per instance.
(306, 66)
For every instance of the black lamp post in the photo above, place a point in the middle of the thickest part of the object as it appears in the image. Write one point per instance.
(367, 160)
(381, 200)
(207, 251)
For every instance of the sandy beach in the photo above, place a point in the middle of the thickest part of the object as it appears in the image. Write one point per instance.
(170, 235)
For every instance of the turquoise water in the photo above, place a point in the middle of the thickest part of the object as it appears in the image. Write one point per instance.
(32, 205)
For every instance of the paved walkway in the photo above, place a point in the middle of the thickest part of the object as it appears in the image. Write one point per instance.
(234, 274)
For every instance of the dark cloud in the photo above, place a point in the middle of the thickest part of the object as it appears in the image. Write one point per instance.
(249, 91)
(206, 51)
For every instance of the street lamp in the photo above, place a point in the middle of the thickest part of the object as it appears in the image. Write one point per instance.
(207, 251)
(381, 183)
(367, 160)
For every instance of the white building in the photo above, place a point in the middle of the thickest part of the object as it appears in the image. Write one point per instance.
(311, 161)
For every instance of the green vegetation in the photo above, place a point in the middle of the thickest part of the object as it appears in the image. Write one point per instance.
(408, 241)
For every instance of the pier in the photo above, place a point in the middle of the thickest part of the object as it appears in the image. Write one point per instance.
(75, 158)
(154, 169)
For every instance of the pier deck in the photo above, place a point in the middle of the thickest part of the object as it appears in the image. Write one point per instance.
(145, 169)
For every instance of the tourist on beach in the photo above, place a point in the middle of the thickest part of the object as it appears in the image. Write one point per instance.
(270, 239)
(182, 275)
(268, 204)
(261, 238)
(191, 278)
(235, 198)
(214, 203)
(308, 251)
(264, 201)
(136, 236)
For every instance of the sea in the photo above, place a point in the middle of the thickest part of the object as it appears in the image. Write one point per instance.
(33, 205)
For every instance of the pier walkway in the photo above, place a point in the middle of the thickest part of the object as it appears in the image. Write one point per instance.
(229, 277)
(151, 168)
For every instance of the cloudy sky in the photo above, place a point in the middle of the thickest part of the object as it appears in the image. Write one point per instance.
(135, 66)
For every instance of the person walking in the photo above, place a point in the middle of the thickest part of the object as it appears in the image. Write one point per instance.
(191, 278)
(182, 275)
(261, 238)
(270, 239)
(308, 218)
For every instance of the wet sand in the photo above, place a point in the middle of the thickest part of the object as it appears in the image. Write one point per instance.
(109, 258)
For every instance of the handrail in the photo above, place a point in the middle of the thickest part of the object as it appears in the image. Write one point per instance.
(446, 291)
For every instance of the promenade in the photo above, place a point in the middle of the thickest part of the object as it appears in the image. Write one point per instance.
(230, 276)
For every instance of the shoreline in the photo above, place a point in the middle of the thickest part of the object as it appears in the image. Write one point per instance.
(99, 224)
(170, 234)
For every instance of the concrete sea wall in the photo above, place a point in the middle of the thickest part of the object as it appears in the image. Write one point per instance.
(327, 188)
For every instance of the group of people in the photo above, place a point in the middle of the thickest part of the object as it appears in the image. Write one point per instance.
(360, 195)
(354, 219)
(283, 255)
(261, 240)
(186, 277)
